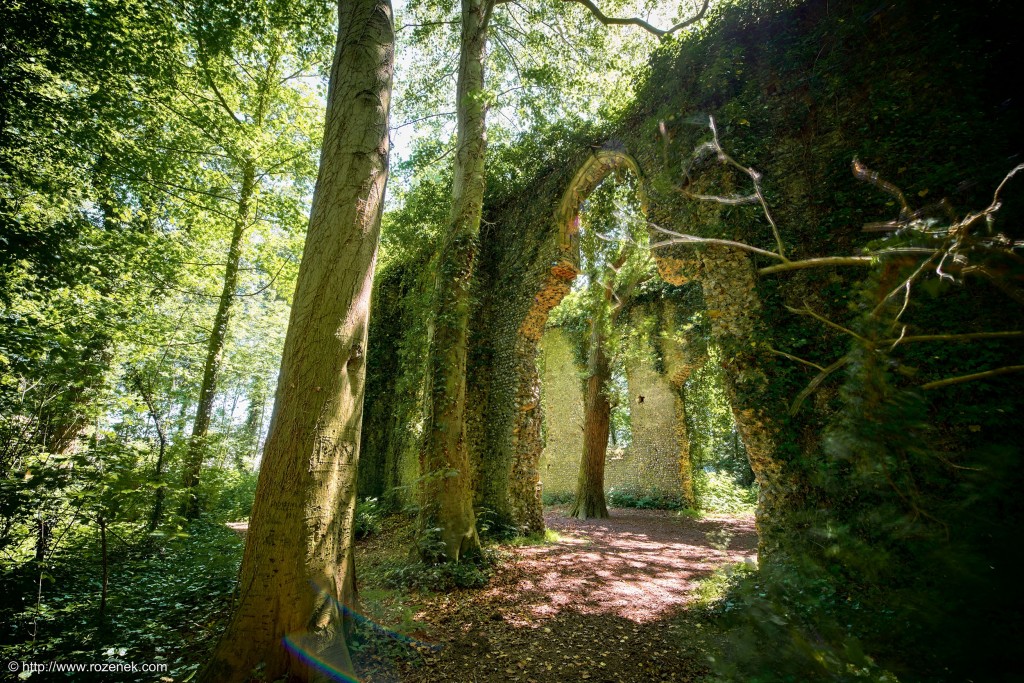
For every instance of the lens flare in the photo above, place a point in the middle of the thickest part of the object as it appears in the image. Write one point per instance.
(333, 659)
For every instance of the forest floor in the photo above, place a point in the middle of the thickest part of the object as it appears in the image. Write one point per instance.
(598, 600)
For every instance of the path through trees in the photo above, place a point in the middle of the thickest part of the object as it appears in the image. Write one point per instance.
(601, 603)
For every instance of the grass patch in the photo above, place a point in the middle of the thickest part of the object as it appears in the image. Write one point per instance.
(713, 593)
(548, 537)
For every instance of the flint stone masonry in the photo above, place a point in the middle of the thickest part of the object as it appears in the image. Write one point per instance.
(562, 398)
(650, 465)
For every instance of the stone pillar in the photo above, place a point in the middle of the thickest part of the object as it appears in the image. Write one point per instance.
(735, 310)
(527, 443)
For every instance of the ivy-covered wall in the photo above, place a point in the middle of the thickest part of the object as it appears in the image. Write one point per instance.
(884, 484)
(795, 95)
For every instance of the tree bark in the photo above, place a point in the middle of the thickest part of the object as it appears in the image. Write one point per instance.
(158, 473)
(589, 502)
(105, 576)
(215, 348)
(447, 499)
(298, 576)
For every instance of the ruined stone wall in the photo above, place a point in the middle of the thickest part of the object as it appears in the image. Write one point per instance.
(650, 465)
(562, 398)
(790, 102)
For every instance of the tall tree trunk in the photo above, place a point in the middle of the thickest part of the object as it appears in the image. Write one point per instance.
(444, 461)
(105, 569)
(589, 501)
(254, 420)
(158, 473)
(298, 575)
(215, 349)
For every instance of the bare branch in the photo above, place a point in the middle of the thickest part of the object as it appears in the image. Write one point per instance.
(796, 358)
(904, 285)
(969, 336)
(815, 383)
(806, 310)
(637, 21)
(734, 200)
(970, 378)
(994, 206)
(755, 177)
(823, 262)
(680, 238)
(426, 24)
(862, 172)
(423, 118)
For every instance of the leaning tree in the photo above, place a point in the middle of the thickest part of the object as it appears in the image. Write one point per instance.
(298, 573)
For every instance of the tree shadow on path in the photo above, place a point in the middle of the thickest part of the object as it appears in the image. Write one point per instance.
(603, 603)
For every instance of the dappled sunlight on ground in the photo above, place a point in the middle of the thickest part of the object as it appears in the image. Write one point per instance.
(602, 603)
(611, 566)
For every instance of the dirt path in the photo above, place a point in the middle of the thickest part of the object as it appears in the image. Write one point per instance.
(601, 604)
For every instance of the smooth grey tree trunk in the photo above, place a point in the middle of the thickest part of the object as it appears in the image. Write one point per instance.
(298, 575)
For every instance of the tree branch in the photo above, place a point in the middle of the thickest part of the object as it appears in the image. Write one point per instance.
(821, 262)
(796, 358)
(637, 21)
(423, 118)
(815, 383)
(680, 238)
(806, 310)
(938, 384)
(1010, 334)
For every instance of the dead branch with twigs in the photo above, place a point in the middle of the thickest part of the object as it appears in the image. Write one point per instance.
(945, 246)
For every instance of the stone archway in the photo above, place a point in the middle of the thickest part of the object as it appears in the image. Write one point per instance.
(595, 169)
(727, 279)
(527, 442)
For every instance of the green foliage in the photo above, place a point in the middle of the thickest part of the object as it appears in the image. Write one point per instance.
(392, 643)
(473, 571)
(124, 131)
(153, 614)
(786, 624)
(556, 498)
(228, 493)
(546, 537)
(718, 491)
(369, 517)
(644, 500)
(494, 527)
(713, 593)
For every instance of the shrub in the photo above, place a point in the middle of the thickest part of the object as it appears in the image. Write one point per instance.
(493, 527)
(556, 497)
(644, 500)
(719, 492)
(369, 517)
(472, 572)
